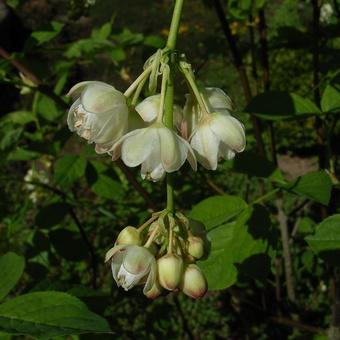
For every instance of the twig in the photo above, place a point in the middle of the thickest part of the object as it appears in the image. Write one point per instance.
(283, 224)
(238, 63)
(31, 76)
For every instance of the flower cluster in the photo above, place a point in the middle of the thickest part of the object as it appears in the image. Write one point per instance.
(160, 255)
(136, 132)
(160, 137)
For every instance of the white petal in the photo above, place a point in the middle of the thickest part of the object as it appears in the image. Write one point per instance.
(76, 90)
(138, 145)
(71, 115)
(218, 99)
(151, 277)
(126, 279)
(206, 145)
(149, 107)
(173, 149)
(229, 130)
(225, 152)
(152, 169)
(101, 97)
(190, 154)
(137, 260)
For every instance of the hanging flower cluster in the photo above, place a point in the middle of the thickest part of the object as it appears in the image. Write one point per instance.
(160, 255)
(204, 130)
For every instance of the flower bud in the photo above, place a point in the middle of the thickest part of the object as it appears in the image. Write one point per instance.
(155, 291)
(193, 282)
(195, 246)
(129, 235)
(170, 270)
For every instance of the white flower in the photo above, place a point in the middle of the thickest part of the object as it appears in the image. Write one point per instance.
(99, 113)
(215, 99)
(132, 265)
(149, 107)
(157, 148)
(218, 135)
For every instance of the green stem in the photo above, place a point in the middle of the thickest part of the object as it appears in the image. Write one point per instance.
(169, 95)
(266, 196)
(176, 18)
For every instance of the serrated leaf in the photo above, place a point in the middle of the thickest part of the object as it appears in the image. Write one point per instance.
(68, 169)
(276, 105)
(49, 314)
(216, 210)
(11, 269)
(316, 186)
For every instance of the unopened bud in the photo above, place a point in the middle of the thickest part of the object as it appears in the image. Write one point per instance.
(195, 247)
(129, 235)
(155, 290)
(194, 283)
(170, 270)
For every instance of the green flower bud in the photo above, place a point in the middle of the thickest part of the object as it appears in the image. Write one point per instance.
(170, 270)
(194, 283)
(195, 247)
(129, 235)
(155, 291)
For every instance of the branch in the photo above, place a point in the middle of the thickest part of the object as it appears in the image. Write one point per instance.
(238, 63)
(283, 223)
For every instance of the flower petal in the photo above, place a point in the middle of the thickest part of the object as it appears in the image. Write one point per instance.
(229, 130)
(71, 117)
(137, 260)
(77, 89)
(218, 99)
(151, 277)
(173, 149)
(205, 144)
(138, 145)
(149, 107)
(101, 97)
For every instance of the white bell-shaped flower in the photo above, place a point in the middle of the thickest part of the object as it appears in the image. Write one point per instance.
(215, 99)
(149, 107)
(99, 113)
(218, 135)
(157, 148)
(131, 265)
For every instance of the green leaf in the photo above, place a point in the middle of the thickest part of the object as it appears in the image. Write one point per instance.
(275, 105)
(47, 108)
(327, 235)
(49, 314)
(20, 154)
(154, 41)
(68, 169)
(19, 117)
(231, 244)
(316, 186)
(103, 32)
(330, 101)
(11, 269)
(107, 187)
(51, 215)
(217, 210)
(48, 33)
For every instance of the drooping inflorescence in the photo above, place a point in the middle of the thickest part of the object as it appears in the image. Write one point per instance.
(160, 136)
